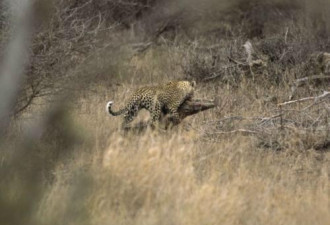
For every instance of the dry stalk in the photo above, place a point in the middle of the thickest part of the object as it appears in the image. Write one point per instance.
(317, 98)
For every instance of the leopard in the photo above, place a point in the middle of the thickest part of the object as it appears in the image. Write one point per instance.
(159, 100)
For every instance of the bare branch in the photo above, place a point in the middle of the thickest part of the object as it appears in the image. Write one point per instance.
(317, 98)
(237, 62)
(242, 131)
(301, 81)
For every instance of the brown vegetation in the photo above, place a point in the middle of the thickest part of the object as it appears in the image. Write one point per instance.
(260, 157)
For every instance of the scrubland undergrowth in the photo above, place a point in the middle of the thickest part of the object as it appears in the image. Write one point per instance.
(63, 160)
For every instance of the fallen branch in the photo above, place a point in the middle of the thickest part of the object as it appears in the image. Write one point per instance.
(242, 131)
(141, 47)
(237, 62)
(215, 75)
(301, 81)
(317, 98)
(252, 64)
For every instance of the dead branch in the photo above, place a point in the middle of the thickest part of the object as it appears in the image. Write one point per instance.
(141, 47)
(162, 28)
(317, 98)
(252, 64)
(302, 81)
(237, 62)
(242, 131)
(208, 48)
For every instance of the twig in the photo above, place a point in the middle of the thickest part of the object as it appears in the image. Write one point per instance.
(324, 95)
(244, 131)
(301, 81)
(286, 35)
(28, 102)
(237, 62)
(281, 119)
(211, 47)
(215, 75)
(313, 104)
(141, 47)
(282, 56)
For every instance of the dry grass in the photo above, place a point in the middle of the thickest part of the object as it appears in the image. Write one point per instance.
(180, 178)
(245, 162)
(89, 172)
(184, 176)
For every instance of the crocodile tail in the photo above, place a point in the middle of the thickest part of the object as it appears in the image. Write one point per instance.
(109, 110)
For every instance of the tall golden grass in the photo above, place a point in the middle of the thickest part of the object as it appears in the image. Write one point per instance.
(246, 162)
(182, 176)
(179, 178)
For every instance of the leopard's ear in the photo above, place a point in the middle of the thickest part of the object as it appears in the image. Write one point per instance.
(193, 83)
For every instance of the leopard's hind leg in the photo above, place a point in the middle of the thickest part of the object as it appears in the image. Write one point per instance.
(154, 108)
(130, 115)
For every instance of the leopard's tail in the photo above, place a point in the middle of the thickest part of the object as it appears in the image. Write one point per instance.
(109, 110)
